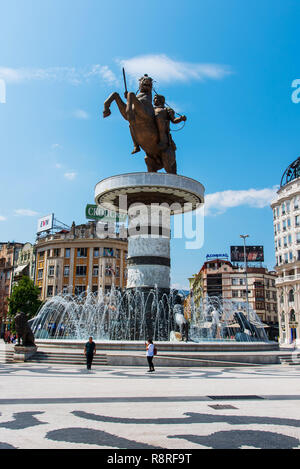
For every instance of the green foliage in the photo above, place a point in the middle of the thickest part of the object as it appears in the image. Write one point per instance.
(24, 297)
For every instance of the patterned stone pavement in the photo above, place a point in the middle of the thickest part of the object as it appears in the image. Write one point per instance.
(55, 406)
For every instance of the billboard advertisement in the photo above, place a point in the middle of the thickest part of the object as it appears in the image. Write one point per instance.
(253, 253)
(94, 212)
(45, 223)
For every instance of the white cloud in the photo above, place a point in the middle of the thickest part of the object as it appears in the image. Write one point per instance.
(75, 76)
(24, 212)
(70, 175)
(179, 286)
(103, 72)
(58, 165)
(164, 69)
(81, 114)
(55, 146)
(2, 218)
(219, 202)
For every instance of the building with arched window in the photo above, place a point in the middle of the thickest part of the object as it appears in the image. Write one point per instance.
(286, 220)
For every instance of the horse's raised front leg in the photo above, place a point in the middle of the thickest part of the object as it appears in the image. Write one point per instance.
(121, 105)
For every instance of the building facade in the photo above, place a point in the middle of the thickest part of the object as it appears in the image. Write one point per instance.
(221, 278)
(9, 254)
(286, 220)
(77, 260)
(25, 263)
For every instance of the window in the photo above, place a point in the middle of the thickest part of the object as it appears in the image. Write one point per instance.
(56, 252)
(289, 222)
(51, 271)
(291, 256)
(81, 252)
(288, 207)
(297, 220)
(296, 202)
(108, 252)
(286, 258)
(291, 296)
(109, 270)
(67, 252)
(80, 270)
(117, 271)
(118, 253)
(40, 274)
(298, 237)
(283, 209)
(66, 271)
(96, 252)
(95, 271)
(41, 254)
(65, 289)
(284, 225)
(235, 281)
(292, 316)
(290, 239)
(285, 241)
(79, 289)
(235, 293)
(50, 290)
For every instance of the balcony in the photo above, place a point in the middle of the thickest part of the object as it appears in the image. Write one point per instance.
(287, 279)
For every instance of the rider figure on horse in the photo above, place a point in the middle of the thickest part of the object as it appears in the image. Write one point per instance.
(149, 126)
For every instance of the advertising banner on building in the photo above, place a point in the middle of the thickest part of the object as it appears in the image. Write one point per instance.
(253, 253)
(45, 223)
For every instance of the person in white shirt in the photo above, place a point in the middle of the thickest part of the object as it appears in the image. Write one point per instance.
(150, 355)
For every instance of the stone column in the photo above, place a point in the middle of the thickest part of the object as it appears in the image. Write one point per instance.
(148, 260)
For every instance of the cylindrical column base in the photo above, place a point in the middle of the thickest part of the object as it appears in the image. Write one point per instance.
(148, 260)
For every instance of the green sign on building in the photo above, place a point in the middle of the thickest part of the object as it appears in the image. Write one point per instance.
(94, 212)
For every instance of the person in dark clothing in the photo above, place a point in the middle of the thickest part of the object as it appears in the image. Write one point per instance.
(150, 355)
(89, 351)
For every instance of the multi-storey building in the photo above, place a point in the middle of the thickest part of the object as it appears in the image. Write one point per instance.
(9, 253)
(25, 264)
(223, 279)
(286, 215)
(77, 260)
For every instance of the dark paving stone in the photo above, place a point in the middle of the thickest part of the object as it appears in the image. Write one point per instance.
(236, 439)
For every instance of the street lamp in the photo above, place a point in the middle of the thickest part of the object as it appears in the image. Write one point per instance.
(246, 273)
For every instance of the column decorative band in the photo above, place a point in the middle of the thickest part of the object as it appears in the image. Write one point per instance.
(150, 260)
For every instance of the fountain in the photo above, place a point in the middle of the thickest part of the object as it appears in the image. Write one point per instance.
(125, 316)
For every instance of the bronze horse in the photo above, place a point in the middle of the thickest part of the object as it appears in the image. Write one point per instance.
(139, 112)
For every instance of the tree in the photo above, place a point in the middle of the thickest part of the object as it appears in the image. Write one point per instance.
(24, 297)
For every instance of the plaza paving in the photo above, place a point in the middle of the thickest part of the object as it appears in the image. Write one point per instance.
(57, 406)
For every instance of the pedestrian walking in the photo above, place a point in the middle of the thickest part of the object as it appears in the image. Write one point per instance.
(150, 354)
(89, 351)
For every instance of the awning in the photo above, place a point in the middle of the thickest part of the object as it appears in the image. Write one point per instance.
(18, 270)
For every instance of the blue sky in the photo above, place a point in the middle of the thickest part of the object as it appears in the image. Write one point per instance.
(227, 64)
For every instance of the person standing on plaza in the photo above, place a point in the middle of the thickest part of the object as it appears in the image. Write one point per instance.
(89, 351)
(150, 354)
